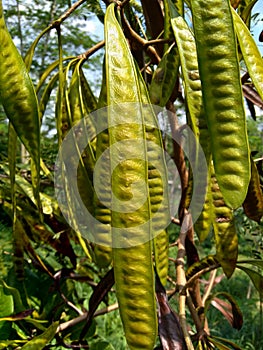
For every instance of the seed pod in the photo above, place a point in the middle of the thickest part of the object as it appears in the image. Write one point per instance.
(203, 224)
(17, 94)
(46, 94)
(209, 260)
(102, 212)
(224, 230)
(250, 52)
(131, 126)
(188, 59)
(222, 96)
(164, 77)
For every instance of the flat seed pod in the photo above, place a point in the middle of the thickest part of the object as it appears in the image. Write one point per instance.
(189, 65)
(250, 52)
(156, 188)
(18, 98)
(222, 96)
(203, 224)
(102, 212)
(164, 77)
(224, 230)
(131, 127)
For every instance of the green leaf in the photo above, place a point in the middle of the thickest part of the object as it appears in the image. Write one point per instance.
(217, 342)
(255, 262)
(101, 345)
(48, 203)
(18, 305)
(255, 277)
(20, 316)
(7, 301)
(40, 341)
(6, 309)
(5, 343)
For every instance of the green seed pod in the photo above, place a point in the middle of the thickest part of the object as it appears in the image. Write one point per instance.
(103, 252)
(18, 96)
(134, 279)
(209, 260)
(196, 116)
(62, 118)
(164, 77)
(133, 266)
(224, 230)
(250, 52)
(222, 96)
(188, 58)
(161, 250)
(156, 187)
(203, 224)
(46, 94)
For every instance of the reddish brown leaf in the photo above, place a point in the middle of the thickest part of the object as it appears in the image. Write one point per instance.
(229, 309)
(170, 331)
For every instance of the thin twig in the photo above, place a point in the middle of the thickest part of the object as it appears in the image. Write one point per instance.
(194, 314)
(84, 56)
(65, 15)
(123, 3)
(84, 316)
(258, 159)
(210, 286)
(139, 41)
(158, 41)
(175, 221)
(70, 304)
(106, 309)
(181, 282)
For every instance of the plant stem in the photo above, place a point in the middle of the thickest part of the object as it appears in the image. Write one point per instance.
(181, 282)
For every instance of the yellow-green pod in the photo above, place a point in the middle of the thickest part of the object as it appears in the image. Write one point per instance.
(102, 212)
(222, 96)
(202, 226)
(18, 97)
(62, 118)
(157, 189)
(250, 52)
(188, 58)
(161, 250)
(133, 265)
(164, 77)
(224, 230)
(17, 93)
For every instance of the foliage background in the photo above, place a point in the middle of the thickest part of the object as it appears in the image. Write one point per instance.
(44, 299)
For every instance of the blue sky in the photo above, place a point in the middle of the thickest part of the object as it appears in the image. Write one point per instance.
(256, 30)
